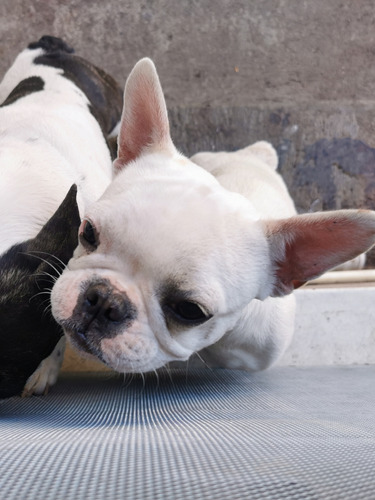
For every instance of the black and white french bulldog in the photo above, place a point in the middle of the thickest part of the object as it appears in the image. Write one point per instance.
(177, 258)
(57, 113)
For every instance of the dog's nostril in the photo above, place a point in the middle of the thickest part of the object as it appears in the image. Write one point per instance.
(117, 312)
(92, 297)
(102, 303)
(111, 314)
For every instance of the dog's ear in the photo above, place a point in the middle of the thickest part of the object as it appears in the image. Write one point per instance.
(305, 246)
(58, 238)
(265, 152)
(144, 122)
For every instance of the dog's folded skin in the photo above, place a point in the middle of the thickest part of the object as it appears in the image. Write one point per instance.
(178, 258)
(56, 114)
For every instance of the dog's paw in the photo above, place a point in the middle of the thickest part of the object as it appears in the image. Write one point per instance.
(47, 372)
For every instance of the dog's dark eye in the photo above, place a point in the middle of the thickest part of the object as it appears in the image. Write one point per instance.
(88, 235)
(187, 312)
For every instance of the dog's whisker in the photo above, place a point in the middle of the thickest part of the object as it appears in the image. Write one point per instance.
(143, 381)
(50, 255)
(44, 292)
(47, 310)
(32, 254)
(131, 378)
(35, 252)
(203, 361)
(187, 370)
(157, 379)
(46, 301)
(40, 275)
(131, 375)
(117, 365)
(169, 373)
(44, 273)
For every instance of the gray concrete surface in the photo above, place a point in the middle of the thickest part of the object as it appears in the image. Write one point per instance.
(299, 73)
(333, 326)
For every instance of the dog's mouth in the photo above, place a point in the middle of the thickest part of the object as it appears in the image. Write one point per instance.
(79, 338)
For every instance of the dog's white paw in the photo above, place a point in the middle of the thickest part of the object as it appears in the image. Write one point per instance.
(47, 372)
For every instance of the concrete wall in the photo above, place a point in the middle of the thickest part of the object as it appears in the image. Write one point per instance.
(333, 326)
(299, 73)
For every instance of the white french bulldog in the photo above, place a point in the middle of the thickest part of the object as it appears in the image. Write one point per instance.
(176, 259)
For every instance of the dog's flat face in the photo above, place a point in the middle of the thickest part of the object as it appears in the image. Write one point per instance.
(168, 259)
(156, 281)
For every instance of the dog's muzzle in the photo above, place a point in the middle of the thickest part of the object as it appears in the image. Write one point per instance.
(101, 312)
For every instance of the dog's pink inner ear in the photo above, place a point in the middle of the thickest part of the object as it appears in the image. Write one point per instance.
(305, 246)
(144, 122)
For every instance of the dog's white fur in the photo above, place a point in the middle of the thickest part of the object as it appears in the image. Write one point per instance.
(46, 374)
(251, 172)
(42, 155)
(226, 236)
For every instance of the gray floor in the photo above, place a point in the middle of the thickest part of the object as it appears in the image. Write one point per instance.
(285, 433)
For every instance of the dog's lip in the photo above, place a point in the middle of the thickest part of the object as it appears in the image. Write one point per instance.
(81, 337)
(78, 337)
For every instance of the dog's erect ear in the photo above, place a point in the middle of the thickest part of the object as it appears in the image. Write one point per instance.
(265, 152)
(305, 246)
(144, 122)
(58, 237)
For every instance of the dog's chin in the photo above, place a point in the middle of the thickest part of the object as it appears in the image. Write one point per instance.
(120, 363)
(143, 365)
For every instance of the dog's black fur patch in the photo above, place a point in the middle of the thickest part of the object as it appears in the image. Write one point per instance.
(28, 271)
(103, 92)
(24, 88)
(51, 44)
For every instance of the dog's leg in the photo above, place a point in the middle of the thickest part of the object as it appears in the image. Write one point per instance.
(47, 372)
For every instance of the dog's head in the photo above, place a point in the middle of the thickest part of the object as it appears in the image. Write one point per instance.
(167, 258)
(28, 332)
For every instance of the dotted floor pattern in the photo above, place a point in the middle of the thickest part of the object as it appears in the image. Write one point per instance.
(287, 433)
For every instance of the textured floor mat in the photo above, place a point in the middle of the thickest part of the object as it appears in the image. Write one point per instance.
(295, 433)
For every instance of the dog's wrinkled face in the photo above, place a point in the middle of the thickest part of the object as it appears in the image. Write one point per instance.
(28, 332)
(155, 279)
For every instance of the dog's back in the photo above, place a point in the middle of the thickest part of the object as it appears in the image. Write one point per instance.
(57, 109)
(251, 171)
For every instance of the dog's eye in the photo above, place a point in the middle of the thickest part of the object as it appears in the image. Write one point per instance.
(187, 312)
(88, 235)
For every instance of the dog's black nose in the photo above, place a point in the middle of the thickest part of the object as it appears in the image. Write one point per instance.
(102, 303)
